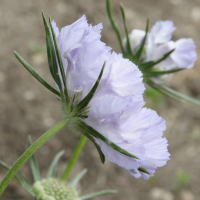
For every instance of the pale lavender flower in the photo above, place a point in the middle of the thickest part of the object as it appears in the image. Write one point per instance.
(184, 55)
(115, 110)
(160, 33)
(159, 43)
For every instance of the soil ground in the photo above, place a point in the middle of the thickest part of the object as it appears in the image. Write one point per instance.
(27, 108)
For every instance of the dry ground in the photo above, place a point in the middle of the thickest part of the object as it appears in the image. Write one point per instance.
(28, 108)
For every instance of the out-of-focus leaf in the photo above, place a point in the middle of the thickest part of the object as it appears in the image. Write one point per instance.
(77, 178)
(23, 182)
(157, 73)
(130, 53)
(114, 25)
(52, 168)
(103, 192)
(33, 163)
(138, 54)
(172, 93)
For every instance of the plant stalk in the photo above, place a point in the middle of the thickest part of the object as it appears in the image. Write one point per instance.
(30, 151)
(74, 158)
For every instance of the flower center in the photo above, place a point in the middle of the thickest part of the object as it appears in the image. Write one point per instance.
(54, 189)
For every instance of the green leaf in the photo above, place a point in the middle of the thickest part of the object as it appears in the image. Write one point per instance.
(52, 168)
(147, 65)
(157, 73)
(144, 170)
(51, 54)
(77, 178)
(140, 50)
(102, 157)
(103, 192)
(22, 181)
(81, 105)
(172, 93)
(159, 89)
(33, 163)
(126, 31)
(35, 74)
(114, 25)
(83, 127)
(60, 63)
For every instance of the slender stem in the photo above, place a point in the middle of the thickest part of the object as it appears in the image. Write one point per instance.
(30, 151)
(74, 158)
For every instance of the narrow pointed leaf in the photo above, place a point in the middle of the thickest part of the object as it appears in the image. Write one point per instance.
(81, 105)
(146, 65)
(114, 25)
(157, 73)
(51, 54)
(150, 64)
(60, 63)
(144, 170)
(77, 178)
(35, 74)
(140, 50)
(26, 180)
(165, 93)
(162, 91)
(83, 127)
(172, 93)
(22, 182)
(103, 192)
(127, 34)
(52, 168)
(33, 163)
(102, 157)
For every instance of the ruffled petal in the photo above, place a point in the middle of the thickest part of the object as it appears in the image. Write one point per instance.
(184, 55)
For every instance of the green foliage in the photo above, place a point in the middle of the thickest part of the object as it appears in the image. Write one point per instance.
(194, 134)
(152, 180)
(153, 98)
(182, 181)
(36, 48)
(52, 169)
(33, 163)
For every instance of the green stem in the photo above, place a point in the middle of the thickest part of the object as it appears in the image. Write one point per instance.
(30, 151)
(74, 158)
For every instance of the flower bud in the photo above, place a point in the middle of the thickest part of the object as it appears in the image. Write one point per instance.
(54, 189)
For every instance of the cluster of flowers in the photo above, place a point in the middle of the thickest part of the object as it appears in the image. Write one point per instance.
(159, 43)
(116, 109)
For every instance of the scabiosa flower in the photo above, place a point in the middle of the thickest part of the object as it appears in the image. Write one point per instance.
(159, 43)
(116, 107)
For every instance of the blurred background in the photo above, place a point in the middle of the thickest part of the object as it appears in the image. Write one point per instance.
(27, 108)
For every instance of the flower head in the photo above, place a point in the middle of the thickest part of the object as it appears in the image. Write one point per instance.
(116, 109)
(158, 44)
(54, 189)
